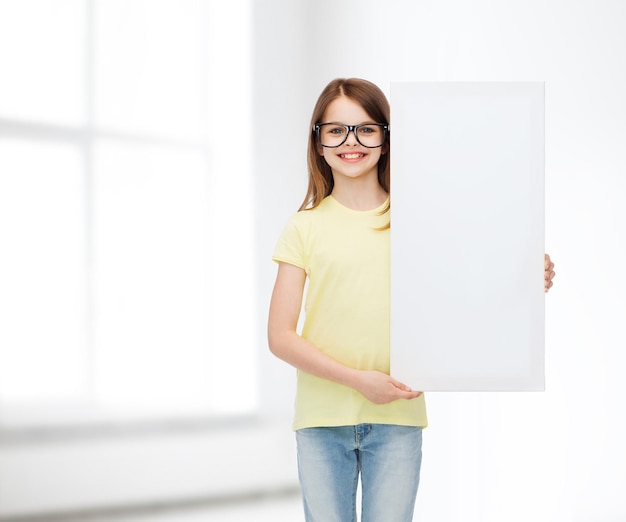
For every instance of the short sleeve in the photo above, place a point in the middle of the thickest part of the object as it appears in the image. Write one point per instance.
(290, 247)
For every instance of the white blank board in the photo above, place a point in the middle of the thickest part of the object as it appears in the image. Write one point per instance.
(467, 236)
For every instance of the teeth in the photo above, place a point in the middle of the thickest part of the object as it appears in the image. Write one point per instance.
(351, 156)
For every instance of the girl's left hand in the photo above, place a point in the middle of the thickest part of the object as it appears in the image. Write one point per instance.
(548, 274)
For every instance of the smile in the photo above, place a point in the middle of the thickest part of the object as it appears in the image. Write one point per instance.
(352, 155)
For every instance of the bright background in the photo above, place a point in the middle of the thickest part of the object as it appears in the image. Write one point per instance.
(150, 154)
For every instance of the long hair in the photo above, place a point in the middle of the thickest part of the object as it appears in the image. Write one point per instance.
(374, 102)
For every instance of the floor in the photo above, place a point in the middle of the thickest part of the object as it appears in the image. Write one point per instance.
(285, 508)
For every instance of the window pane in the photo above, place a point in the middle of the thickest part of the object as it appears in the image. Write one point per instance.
(150, 63)
(42, 59)
(151, 260)
(130, 286)
(42, 272)
(231, 210)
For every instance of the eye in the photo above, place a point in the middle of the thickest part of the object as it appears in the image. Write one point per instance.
(335, 130)
(369, 129)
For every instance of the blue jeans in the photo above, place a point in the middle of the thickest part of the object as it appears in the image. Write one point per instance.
(388, 458)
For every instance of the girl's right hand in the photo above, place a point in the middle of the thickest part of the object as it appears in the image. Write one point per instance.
(380, 388)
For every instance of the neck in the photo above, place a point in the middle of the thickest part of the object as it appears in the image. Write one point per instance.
(359, 194)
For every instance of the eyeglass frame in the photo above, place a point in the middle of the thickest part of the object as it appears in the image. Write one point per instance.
(351, 129)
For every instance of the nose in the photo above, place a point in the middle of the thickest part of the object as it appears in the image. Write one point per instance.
(351, 140)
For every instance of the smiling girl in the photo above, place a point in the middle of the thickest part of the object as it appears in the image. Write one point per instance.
(351, 417)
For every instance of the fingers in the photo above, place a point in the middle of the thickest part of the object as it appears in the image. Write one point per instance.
(380, 388)
(410, 395)
(405, 392)
(549, 273)
(399, 384)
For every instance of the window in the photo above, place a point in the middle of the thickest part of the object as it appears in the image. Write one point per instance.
(126, 275)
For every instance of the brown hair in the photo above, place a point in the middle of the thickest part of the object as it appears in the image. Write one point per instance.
(374, 102)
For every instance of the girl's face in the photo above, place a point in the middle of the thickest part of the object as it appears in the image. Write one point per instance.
(350, 160)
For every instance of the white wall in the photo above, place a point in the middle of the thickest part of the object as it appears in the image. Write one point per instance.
(553, 456)
(281, 99)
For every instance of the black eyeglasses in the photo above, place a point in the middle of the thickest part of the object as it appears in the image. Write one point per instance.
(370, 135)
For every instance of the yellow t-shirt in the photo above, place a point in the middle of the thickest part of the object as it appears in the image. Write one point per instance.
(347, 311)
